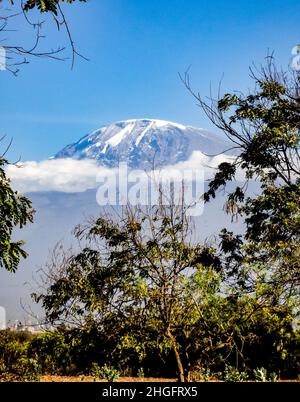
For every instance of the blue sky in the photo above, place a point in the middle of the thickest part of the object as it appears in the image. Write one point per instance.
(136, 49)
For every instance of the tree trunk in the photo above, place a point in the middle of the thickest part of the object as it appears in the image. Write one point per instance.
(181, 377)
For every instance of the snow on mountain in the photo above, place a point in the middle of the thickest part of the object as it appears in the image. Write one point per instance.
(143, 143)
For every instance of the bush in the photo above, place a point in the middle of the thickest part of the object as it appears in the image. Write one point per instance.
(231, 374)
(261, 375)
(105, 372)
(140, 372)
(24, 370)
(53, 352)
(28, 370)
(201, 374)
(13, 347)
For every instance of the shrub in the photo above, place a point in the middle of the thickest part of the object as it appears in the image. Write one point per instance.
(261, 375)
(28, 370)
(201, 374)
(53, 353)
(105, 372)
(232, 374)
(24, 370)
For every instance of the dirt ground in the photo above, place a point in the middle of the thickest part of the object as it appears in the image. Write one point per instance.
(54, 378)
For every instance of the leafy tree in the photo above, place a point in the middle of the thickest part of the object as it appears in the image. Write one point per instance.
(133, 281)
(142, 289)
(236, 329)
(264, 129)
(15, 210)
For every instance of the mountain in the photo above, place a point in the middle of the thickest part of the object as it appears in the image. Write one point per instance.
(143, 143)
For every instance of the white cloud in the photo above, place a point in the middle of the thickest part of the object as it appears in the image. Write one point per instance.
(69, 175)
(65, 175)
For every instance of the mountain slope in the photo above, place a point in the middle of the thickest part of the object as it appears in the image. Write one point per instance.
(143, 143)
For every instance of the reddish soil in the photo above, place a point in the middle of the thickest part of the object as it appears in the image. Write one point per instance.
(54, 378)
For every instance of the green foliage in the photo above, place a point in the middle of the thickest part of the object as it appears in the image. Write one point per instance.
(15, 211)
(24, 357)
(264, 127)
(44, 6)
(201, 374)
(28, 370)
(53, 352)
(105, 372)
(13, 347)
(231, 374)
(114, 294)
(25, 370)
(138, 284)
(261, 375)
(140, 372)
(15, 362)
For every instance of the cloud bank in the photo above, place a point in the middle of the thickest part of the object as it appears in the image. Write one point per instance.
(70, 175)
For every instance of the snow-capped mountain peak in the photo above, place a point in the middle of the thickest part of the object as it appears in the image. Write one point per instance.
(143, 143)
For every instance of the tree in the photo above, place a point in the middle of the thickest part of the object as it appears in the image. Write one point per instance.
(264, 129)
(140, 291)
(15, 210)
(17, 55)
(134, 279)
